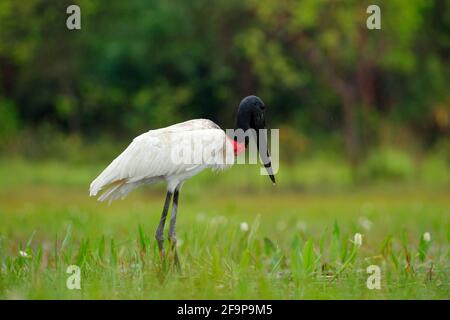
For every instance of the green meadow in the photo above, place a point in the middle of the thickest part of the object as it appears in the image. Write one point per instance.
(239, 236)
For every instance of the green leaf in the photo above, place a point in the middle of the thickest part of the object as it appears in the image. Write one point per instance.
(423, 248)
(336, 230)
(269, 246)
(113, 253)
(142, 238)
(66, 237)
(82, 252)
(308, 257)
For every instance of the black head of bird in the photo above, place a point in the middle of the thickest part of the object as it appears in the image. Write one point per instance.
(251, 115)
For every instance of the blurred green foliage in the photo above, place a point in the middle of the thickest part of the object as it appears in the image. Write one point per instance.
(388, 163)
(9, 121)
(329, 82)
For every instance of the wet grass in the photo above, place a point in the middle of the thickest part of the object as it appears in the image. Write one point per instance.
(298, 244)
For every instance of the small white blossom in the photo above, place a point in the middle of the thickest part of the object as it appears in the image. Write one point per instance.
(23, 254)
(365, 223)
(427, 236)
(244, 226)
(201, 216)
(357, 239)
(219, 220)
(135, 266)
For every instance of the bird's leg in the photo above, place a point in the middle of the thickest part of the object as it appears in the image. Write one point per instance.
(172, 226)
(160, 231)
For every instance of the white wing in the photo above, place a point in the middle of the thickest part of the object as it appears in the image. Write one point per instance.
(196, 124)
(180, 151)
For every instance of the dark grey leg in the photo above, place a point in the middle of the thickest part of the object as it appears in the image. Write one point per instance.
(173, 219)
(160, 231)
(173, 222)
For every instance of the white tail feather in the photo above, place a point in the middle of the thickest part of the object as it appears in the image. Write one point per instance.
(118, 191)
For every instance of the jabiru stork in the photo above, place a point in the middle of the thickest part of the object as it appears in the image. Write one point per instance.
(150, 159)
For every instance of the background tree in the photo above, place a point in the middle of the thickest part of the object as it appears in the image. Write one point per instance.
(137, 65)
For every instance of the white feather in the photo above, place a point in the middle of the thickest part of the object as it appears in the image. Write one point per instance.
(150, 158)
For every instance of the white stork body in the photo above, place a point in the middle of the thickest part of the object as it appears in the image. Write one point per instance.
(149, 158)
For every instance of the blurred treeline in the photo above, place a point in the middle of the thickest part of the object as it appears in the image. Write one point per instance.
(329, 82)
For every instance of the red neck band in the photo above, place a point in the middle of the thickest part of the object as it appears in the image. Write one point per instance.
(237, 146)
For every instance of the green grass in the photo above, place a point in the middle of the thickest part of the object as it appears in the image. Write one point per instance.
(298, 244)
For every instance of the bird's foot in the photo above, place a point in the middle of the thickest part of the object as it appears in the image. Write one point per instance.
(162, 252)
(174, 253)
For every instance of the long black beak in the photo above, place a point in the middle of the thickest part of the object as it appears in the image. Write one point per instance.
(263, 149)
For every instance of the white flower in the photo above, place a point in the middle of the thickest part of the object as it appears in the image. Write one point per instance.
(200, 216)
(23, 254)
(357, 239)
(135, 266)
(427, 236)
(244, 226)
(219, 220)
(365, 223)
